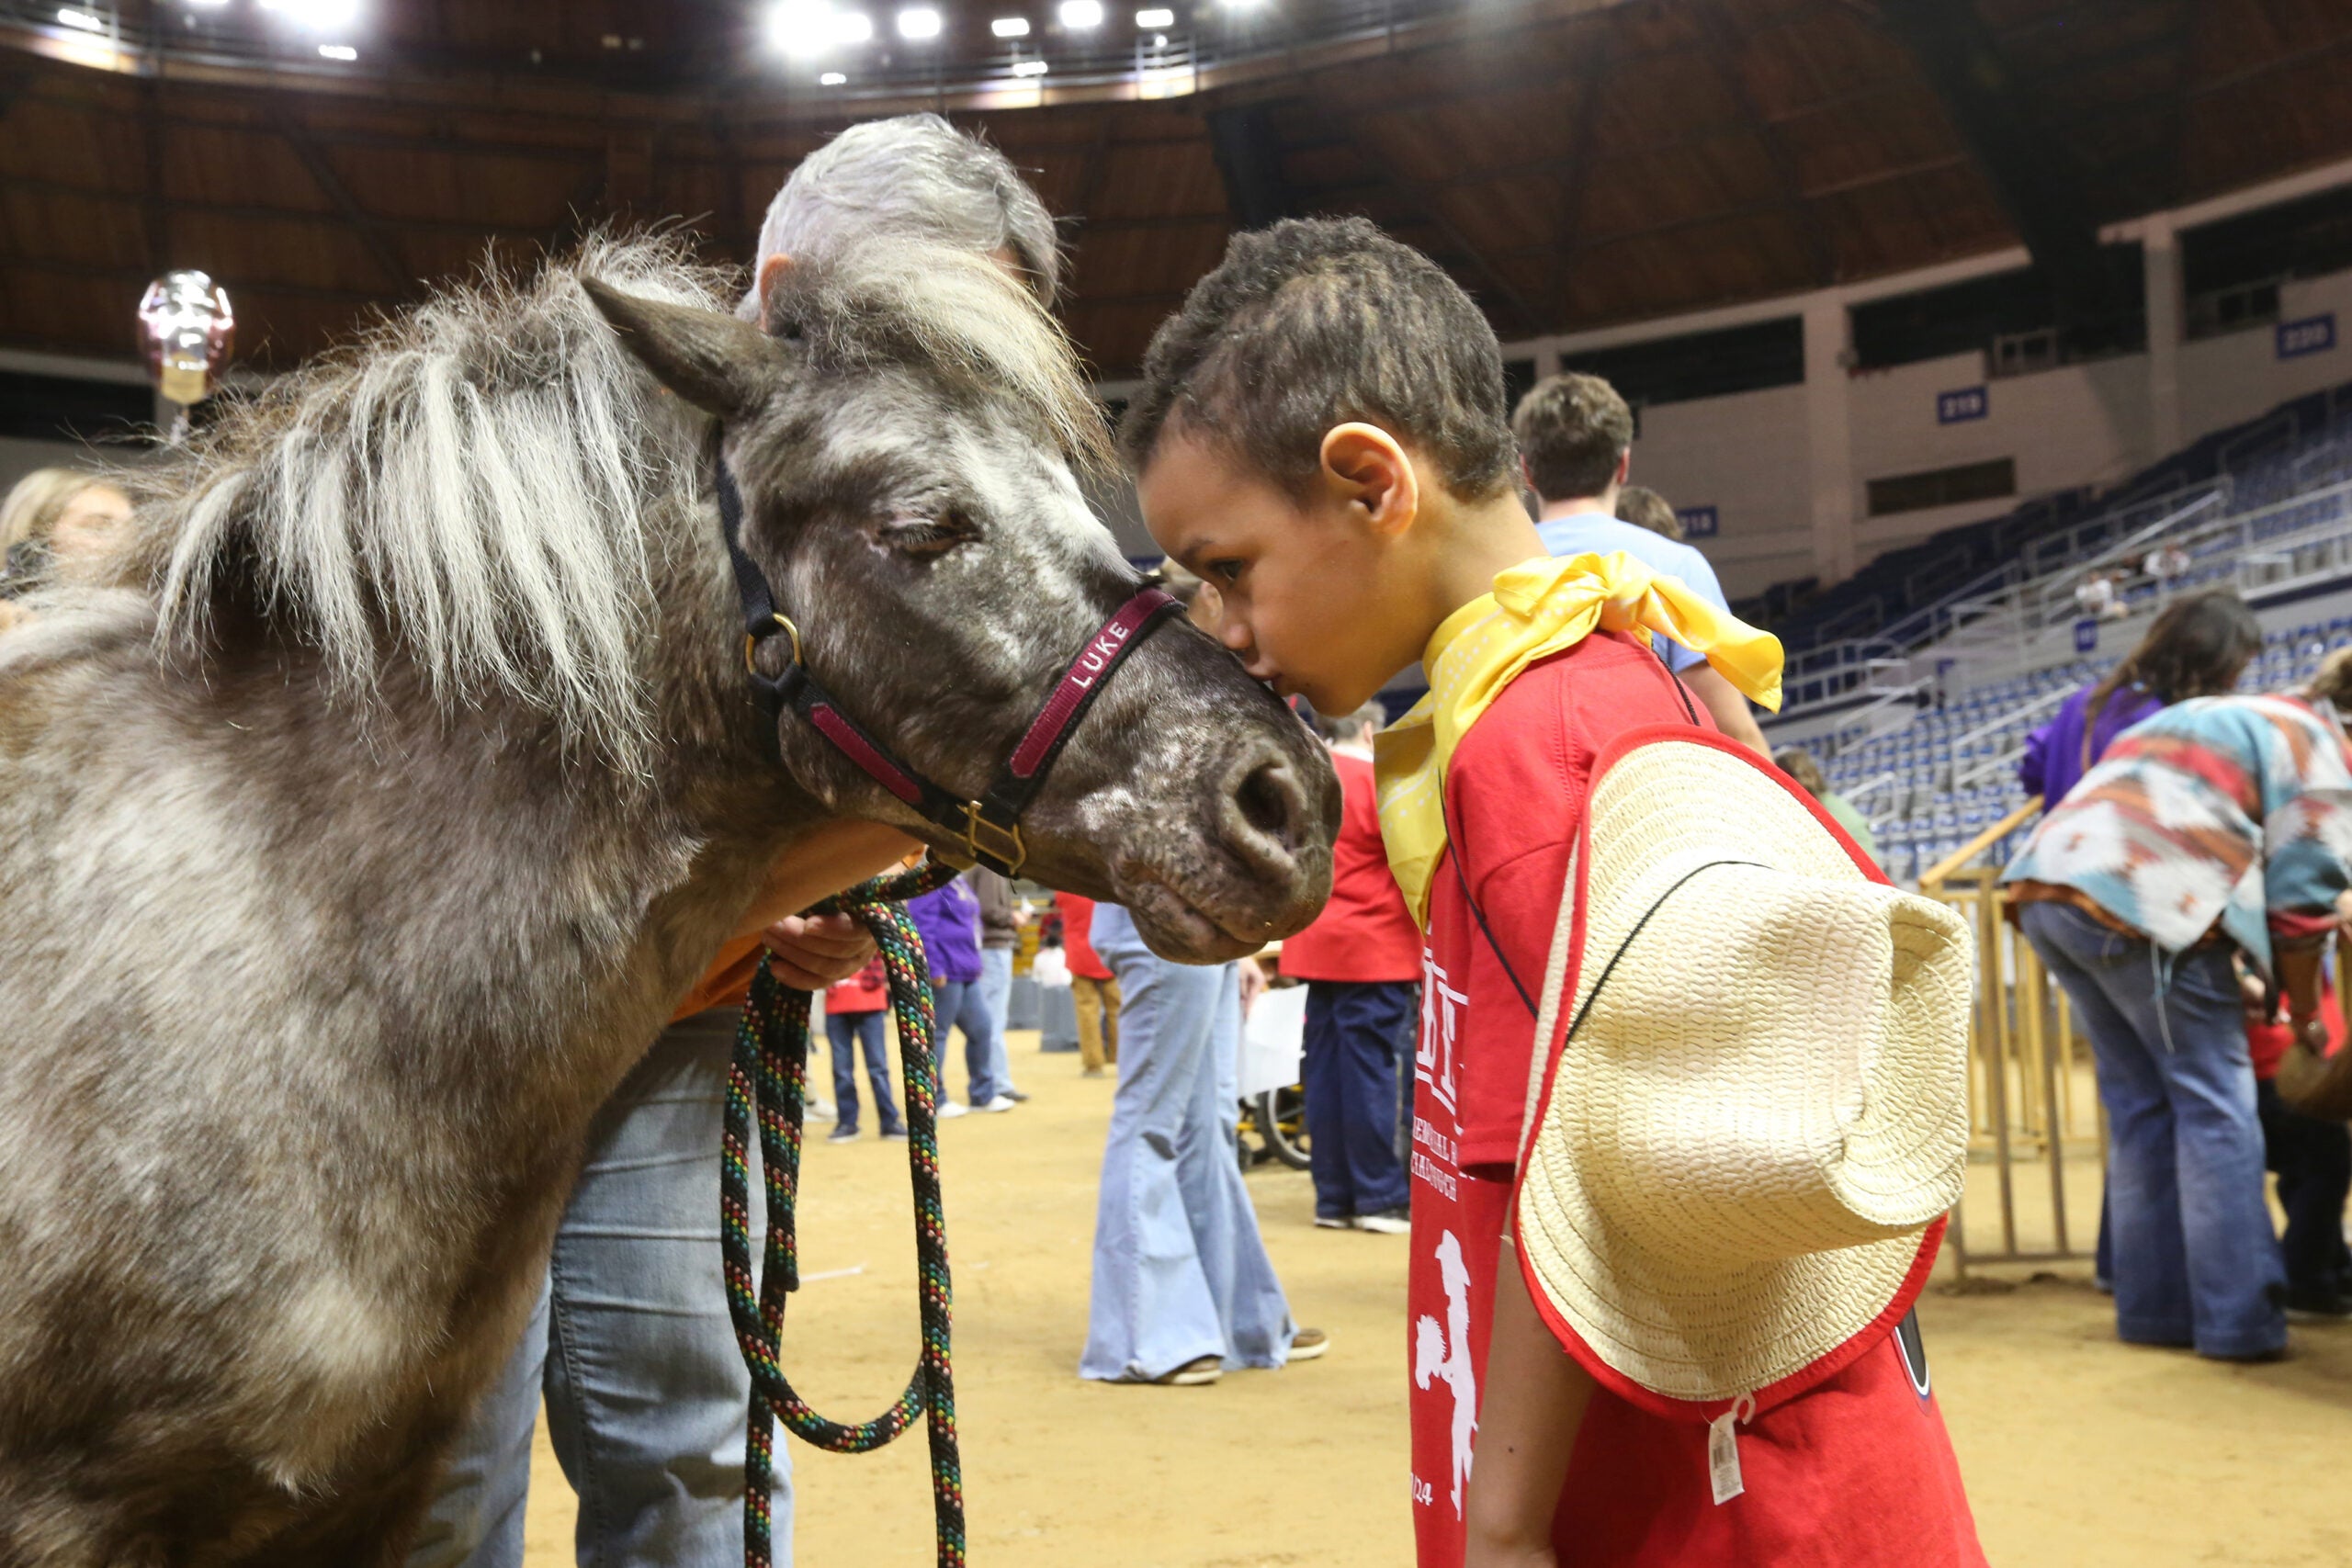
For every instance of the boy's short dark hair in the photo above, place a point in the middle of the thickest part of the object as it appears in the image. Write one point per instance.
(1572, 429)
(1316, 322)
(1645, 508)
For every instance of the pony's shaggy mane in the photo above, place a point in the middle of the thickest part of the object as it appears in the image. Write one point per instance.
(470, 483)
(467, 481)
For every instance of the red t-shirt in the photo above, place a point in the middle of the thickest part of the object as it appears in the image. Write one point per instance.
(1078, 922)
(868, 991)
(1855, 1472)
(1364, 933)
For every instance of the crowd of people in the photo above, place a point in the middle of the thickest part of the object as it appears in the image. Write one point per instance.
(1370, 512)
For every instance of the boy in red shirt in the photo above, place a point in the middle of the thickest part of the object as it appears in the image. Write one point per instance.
(1322, 435)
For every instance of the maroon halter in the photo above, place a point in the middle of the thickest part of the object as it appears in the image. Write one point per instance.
(990, 827)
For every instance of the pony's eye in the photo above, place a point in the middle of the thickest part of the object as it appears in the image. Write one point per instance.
(929, 536)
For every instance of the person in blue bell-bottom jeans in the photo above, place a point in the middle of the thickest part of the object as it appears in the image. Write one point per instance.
(2196, 1261)
(631, 1347)
(1180, 1276)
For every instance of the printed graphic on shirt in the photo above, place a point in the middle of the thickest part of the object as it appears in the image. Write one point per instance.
(1442, 1353)
(1441, 1015)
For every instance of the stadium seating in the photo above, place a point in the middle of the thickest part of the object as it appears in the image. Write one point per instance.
(2302, 444)
(1932, 786)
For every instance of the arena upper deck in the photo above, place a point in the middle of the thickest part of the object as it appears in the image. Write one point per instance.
(1573, 162)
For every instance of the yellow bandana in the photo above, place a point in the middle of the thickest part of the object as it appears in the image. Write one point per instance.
(1537, 608)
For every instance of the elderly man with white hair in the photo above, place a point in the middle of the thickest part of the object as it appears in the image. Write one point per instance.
(631, 1349)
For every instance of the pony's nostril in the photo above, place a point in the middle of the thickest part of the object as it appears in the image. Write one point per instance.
(1269, 801)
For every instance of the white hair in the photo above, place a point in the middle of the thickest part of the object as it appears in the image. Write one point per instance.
(468, 479)
(913, 177)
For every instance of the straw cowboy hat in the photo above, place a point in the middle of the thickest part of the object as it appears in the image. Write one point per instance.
(1755, 1112)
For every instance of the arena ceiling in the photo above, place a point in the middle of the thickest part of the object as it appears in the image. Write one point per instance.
(1573, 162)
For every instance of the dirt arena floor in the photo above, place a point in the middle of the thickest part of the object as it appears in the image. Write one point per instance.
(2079, 1452)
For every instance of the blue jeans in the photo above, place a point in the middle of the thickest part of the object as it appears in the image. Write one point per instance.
(1179, 1272)
(631, 1348)
(848, 1030)
(957, 1003)
(996, 997)
(2196, 1261)
(1356, 1034)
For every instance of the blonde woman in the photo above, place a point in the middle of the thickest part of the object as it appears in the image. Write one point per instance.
(60, 520)
(63, 517)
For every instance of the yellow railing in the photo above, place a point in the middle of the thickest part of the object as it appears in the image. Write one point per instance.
(2032, 1101)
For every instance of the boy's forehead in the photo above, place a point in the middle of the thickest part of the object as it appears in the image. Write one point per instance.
(1194, 489)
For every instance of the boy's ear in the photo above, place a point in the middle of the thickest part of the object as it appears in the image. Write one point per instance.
(1366, 469)
(1624, 467)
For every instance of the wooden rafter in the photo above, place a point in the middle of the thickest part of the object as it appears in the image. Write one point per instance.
(374, 234)
(1723, 53)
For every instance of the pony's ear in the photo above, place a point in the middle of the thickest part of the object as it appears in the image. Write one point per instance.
(720, 364)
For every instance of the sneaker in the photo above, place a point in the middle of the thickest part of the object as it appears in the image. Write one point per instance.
(1388, 1221)
(842, 1136)
(1091, 1073)
(894, 1134)
(1308, 1344)
(1335, 1222)
(1001, 1102)
(952, 1108)
(1194, 1374)
(821, 1111)
(1014, 1094)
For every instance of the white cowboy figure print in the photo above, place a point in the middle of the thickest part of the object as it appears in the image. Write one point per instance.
(1445, 1353)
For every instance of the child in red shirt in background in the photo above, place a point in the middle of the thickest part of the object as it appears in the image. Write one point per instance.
(2312, 1159)
(854, 1018)
(1361, 963)
(1322, 435)
(1093, 989)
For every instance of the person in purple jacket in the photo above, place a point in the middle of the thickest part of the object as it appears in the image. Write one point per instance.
(949, 921)
(2197, 647)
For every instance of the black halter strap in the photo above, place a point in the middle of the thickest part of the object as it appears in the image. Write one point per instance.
(988, 828)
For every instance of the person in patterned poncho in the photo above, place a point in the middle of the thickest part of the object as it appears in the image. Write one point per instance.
(2218, 826)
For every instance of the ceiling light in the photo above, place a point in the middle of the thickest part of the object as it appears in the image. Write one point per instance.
(919, 23)
(798, 26)
(1028, 68)
(82, 19)
(809, 27)
(1009, 27)
(1157, 18)
(207, 4)
(315, 15)
(1081, 13)
(831, 79)
(338, 51)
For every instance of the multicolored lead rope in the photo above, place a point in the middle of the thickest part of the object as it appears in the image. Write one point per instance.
(771, 1072)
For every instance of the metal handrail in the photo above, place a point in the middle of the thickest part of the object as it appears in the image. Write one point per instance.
(1932, 880)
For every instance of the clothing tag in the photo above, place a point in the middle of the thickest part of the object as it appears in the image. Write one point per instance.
(1722, 1450)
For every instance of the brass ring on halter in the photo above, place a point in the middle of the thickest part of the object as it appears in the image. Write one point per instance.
(752, 643)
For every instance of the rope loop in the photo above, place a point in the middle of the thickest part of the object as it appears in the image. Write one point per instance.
(769, 1080)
